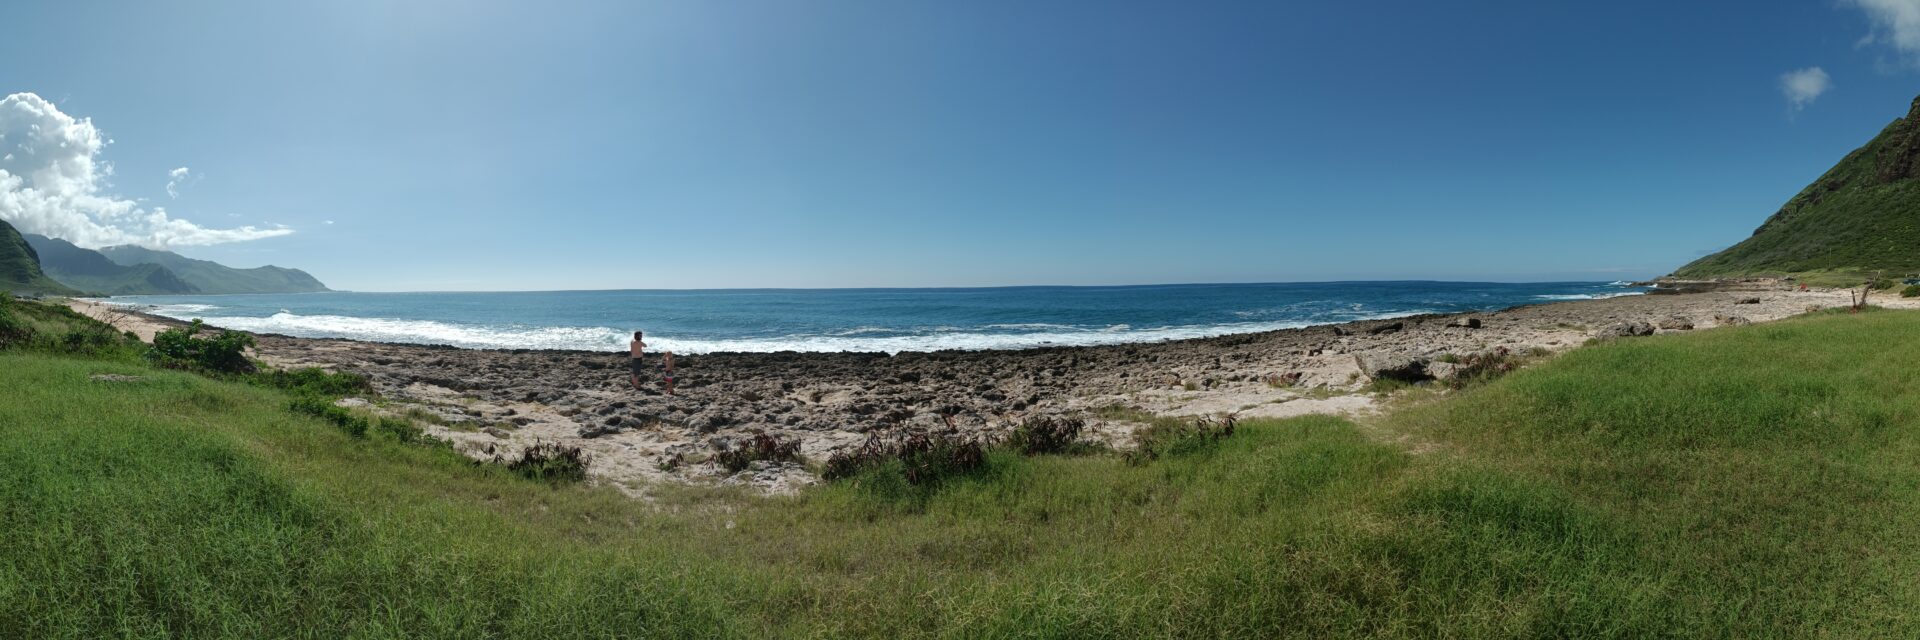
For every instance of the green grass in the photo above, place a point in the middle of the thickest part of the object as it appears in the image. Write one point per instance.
(1748, 482)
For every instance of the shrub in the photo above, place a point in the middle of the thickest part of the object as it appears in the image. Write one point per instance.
(1483, 367)
(1177, 438)
(184, 348)
(1912, 291)
(923, 458)
(401, 429)
(315, 381)
(1038, 436)
(1883, 284)
(88, 341)
(13, 330)
(741, 454)
(549, 462)
(354, 424)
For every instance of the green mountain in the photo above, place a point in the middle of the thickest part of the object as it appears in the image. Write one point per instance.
(88, 270)
(213, 277)
(1862, 216)
(20, 266)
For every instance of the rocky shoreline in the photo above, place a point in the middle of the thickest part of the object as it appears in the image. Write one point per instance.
(497, 401)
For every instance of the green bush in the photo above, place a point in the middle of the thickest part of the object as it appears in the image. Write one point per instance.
(354, 424)
(13, 330)
(1912, 291)
(315, 381)
(1882, 284)
(184, 348)
(88, 341)
(400, 429)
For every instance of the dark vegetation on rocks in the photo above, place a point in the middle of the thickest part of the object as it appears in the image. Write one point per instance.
(755, 448)
(915, 457)
(1048, 435)
(549, 462)
(1179, 437)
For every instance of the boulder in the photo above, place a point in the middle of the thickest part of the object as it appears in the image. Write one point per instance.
(1677, 323)
(1465, 323)
(1443, 370)
(1747, 301)
(1626, 330)
(1382, 329)
(595, 431)
(1392, 366)
(1732, 321)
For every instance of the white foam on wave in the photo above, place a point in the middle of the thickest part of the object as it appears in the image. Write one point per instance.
(169, 310)
(1589, 296)
(611, 339)
(429, 332)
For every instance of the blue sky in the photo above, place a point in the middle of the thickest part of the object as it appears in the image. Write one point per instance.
(450, 145)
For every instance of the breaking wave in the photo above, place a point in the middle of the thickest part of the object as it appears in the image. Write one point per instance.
(611, 339)
(1589, 296)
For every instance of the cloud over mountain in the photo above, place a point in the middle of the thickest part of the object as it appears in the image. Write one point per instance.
(53, 182)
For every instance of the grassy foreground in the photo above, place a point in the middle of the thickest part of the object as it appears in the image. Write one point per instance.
(1750, 482)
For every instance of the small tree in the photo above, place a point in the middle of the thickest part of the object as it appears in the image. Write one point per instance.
(184, 348)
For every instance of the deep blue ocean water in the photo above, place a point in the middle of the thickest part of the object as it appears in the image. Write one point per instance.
(889, 320)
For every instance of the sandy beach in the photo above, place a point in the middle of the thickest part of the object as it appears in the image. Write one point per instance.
(497, 401)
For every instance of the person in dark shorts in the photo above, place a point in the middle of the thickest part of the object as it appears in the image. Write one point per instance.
(637, 349)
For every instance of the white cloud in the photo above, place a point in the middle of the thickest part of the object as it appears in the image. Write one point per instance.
(326, 222)
(1802, 86)
(52, 182)
(174, 180)
(1896, 23)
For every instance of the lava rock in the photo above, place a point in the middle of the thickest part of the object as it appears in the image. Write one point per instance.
(1385, 328)
(1627, 330)
(1392, 366)
(1677, 323)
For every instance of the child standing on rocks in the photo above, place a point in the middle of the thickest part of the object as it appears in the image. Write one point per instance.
(638, 348)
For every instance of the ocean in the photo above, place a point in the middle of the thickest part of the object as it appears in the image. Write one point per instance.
(889, 320)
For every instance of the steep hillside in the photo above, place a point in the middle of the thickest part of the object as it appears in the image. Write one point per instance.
(1863, 215)
(20, 266)
(88, 270)
(213, 277)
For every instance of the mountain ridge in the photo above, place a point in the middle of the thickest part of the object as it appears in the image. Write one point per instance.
(20, 266)
(88, 270)
(212, 277)
(1862, 215)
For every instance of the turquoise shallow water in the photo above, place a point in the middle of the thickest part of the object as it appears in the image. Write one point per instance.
(849, 319)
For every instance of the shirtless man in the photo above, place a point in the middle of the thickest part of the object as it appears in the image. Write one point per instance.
(638, 348)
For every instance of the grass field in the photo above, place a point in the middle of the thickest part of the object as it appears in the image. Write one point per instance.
(1748, 482)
